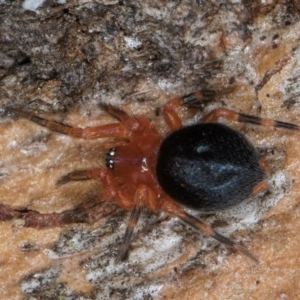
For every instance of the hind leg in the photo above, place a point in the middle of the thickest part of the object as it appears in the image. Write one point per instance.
(171, 117)
(232, 115)
(173, 209)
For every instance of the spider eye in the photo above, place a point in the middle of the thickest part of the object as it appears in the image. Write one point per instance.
(109, 158)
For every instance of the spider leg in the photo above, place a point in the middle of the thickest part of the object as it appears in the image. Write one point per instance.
(126, 126)
(84, 213)
(7, 213)
(144, 197)
(232, 115)
(131, 123)
(108, 130)
(171, 117)
(173, 209)
(206, 229)
(133, 219)
(79, 175)
(110, 190)
(174, 122)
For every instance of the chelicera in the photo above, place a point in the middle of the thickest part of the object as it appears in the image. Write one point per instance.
(206, 166)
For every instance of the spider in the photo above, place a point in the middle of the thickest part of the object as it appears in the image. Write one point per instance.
(207, 166)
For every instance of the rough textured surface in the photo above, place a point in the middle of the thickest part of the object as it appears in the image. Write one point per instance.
(62, 60)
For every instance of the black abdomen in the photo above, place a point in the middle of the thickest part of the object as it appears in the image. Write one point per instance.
(208, 167)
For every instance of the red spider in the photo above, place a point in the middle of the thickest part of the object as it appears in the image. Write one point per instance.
(207, 166)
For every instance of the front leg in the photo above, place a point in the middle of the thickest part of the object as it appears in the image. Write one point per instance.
(125, 128)
(110, 189)
(108, 130)
(84, 213)
(80, 175)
